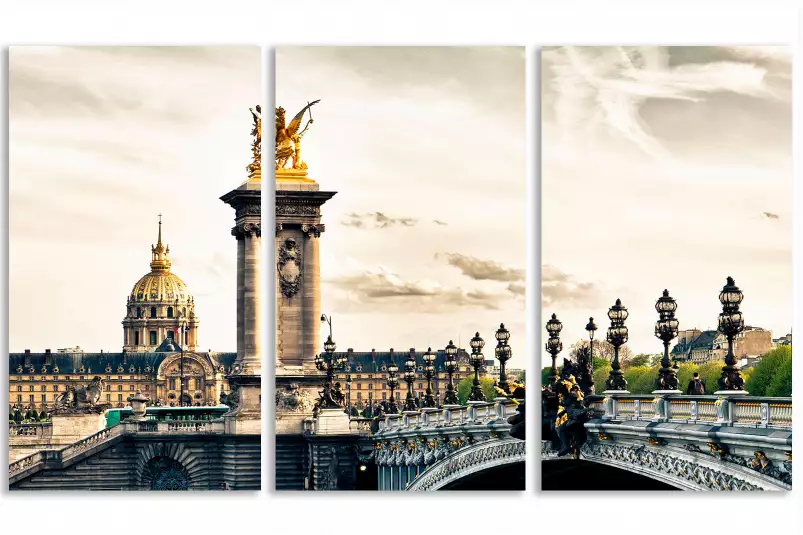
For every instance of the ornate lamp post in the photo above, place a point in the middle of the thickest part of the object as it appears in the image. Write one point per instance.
(591, 327)
(477, 360)
(503, 354)
(327, 362)
(617, 336)
(666, 328)
(451, 366)
(393, 384)
(554, 346)
(731, 323)
(429, 371)
(409, 377)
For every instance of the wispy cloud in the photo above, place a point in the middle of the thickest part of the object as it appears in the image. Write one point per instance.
(770, 215)
(560, 287)
(377, 220)
(479, 269)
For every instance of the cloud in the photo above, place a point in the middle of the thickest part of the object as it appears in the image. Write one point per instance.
(770, 215)
(517, 289)
(439, 222)
(478, 269)
(377, 220)
(562, 289)
(383, 287)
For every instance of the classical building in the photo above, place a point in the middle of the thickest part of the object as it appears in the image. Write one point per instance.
(366, 375)
(699, 347)
(159, 304)
(159, 311)
(694, 346)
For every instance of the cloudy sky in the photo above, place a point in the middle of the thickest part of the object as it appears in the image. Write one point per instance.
(666, 167)
(425, 240)
(101, 141)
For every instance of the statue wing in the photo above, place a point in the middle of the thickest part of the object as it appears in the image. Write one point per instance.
(295, 124)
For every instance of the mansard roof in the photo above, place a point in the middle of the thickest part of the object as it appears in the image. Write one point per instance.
(375, 361)
(96, 363)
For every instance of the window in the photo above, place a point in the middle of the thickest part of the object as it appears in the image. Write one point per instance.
(67, 378)
(172, 383)
(359, 386)
(147, 387)
(108, 377)
(55, 388)
(44, 398)
(130, 377)
(55, 377)
(119, 388)
(370, 386)
(359, 396)
(153, 338)
(420, 385)
(30, 399)
(119, 397)
(30, 387)
(136, 336)
(197, 383)
(19, 388)
(131, 387)
(384, 396)
(108, 397)
(153, 312)
(44, 388)
(81, 378)
(139, 315)
(119, 377)
(169, 312)
(19, 398)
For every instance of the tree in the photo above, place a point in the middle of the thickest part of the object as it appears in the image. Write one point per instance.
(710, 373)
(766, 369)
(464, 388)
(642, 359)
(633, 375)
(781, 384)
(602, 349)
(545, 373)
(685, 373)
(521, 378)
(601, 370)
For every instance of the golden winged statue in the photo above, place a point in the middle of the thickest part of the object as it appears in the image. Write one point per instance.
(256, 146)
(288, 137)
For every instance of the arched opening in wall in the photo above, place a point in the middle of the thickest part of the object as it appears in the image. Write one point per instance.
(367, 476)
(506, 477)
(185, 400)
(153, 312)
(579, 474)
(164, 473)
(139, 312)
(169, 312)
(136, 337)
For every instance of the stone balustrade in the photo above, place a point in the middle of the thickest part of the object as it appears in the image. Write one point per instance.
(41, 429)
(738, 411)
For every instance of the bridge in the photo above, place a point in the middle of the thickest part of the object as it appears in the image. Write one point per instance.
(147, 455)
(453, 447)
(732, 442)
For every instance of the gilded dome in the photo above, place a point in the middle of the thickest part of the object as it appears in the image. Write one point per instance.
(160, 286)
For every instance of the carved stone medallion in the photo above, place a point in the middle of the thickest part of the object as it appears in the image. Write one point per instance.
(289, 267)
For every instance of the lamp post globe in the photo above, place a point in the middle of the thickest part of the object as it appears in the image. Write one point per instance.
(503, 354)
(730, 323)
(666, 329)
(409, 377)
(429, 372)
(554, 346)
(617, 336)
(477, 360)
(393, 384)
(450, 351)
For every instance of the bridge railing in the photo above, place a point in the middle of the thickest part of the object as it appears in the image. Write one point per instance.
(497, 410)
(740, 411)
(40, 429)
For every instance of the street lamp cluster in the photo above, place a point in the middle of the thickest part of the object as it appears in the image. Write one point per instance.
(730, 323)
(329, 363)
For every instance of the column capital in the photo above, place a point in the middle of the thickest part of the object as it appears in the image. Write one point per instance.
(313, 231)
(249, 229)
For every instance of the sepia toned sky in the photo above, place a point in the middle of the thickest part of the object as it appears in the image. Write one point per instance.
(425, 240)
(101, 141)
(666, 167)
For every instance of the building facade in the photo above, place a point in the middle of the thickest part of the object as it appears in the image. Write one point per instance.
(698, 347)
(160, 311)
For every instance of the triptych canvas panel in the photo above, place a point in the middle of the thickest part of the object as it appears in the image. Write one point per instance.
(393, 342)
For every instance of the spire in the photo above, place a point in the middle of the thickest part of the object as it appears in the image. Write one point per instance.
(159, 260)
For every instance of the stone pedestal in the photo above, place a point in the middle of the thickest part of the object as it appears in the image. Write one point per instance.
(70, 428)
(245, 378)
(332, 422)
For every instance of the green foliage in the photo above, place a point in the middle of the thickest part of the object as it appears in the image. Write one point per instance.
(640, 360)
(464, 388)
(545, 372)
(633, 375)
(685, 373)
(522, 377)
(710, 373)
(766, 370)
(601, 371)
(781, 384)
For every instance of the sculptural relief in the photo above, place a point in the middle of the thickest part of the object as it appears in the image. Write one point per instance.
(289, 268)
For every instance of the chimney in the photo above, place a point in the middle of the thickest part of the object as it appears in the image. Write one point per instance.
(27, 351)
(373, 354)
(47, 351)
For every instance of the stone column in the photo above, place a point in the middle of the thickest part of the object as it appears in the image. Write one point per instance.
(311, 294)
(246, 376)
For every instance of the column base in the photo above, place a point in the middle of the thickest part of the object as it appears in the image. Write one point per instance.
(332, 422)
(246, 417)
(731, 393)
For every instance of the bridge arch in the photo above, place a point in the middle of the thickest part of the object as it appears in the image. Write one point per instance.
(167, 466)
(469, 461)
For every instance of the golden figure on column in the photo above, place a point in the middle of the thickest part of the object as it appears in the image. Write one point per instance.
(288, 138)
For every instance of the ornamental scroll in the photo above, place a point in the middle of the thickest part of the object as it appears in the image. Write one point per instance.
(289, 267)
